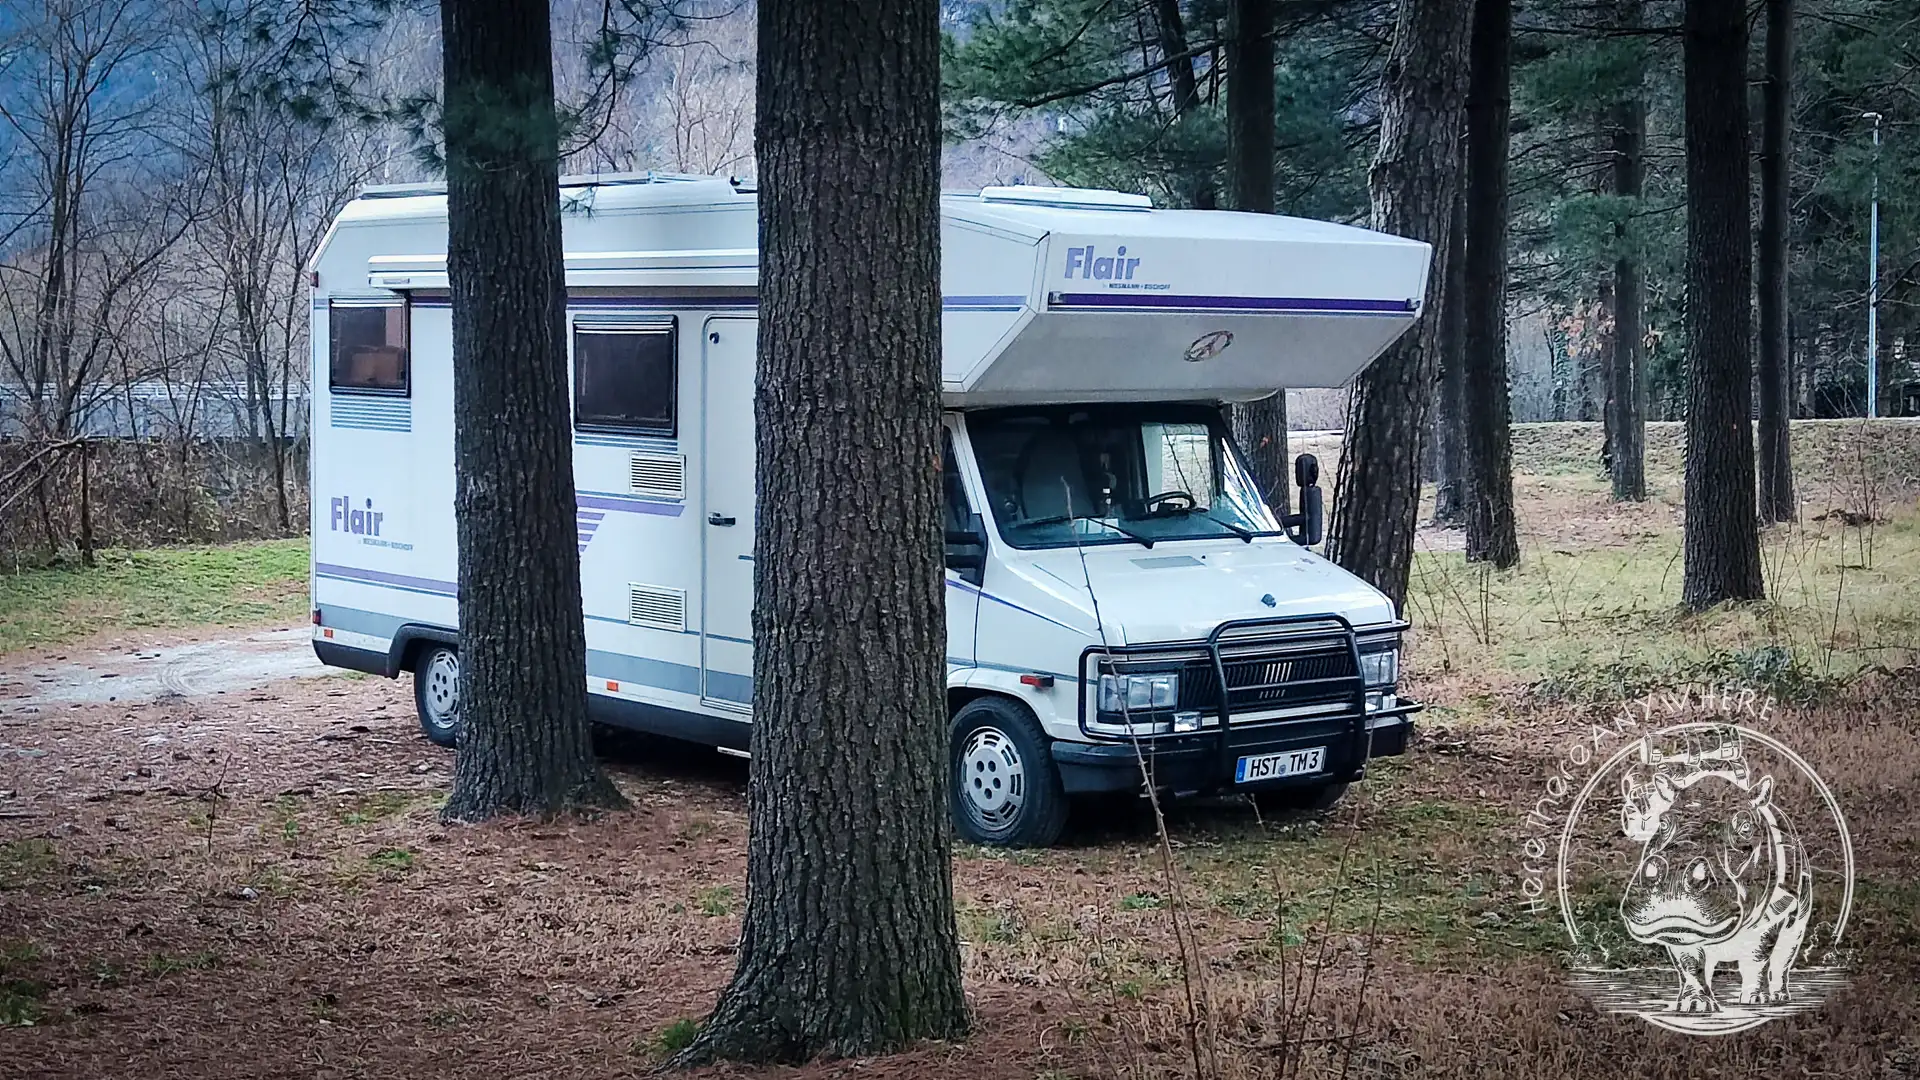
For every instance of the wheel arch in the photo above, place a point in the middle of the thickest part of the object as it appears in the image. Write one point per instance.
(411, 639)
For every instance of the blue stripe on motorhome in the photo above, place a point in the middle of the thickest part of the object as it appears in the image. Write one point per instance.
(984, 595)
(983, 303)
(1165, 302)
(666, 675)
(356, 621)
(628, 442)
(727, 686)
(382, 577)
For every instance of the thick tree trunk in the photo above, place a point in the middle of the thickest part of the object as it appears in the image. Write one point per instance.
(1776, 133)
(1186, 90)
(1261, 426)
(1722, 559)
(1492, 533)
(849, 944)
(1413, 183)
(1626, 384)
(1449, 431)
(525, 746)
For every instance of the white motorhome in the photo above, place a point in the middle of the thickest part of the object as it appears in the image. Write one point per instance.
(1120, 600)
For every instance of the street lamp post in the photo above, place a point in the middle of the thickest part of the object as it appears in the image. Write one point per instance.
(1873, 276)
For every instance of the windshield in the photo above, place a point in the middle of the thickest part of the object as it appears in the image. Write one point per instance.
(1114, 474)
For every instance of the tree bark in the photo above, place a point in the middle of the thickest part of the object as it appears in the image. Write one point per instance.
(525, 746)
(849, 944)
(1626, 383)
(1722, 545)
(1776, 133)
(1449, 431)
(1186, 89)
(1261, 426)
(1492, 533)
(1413, 183)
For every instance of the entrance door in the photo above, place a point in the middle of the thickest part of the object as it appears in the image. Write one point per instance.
(727, 467)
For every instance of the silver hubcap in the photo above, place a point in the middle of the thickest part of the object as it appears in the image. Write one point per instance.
(993, 779)
(441, 692)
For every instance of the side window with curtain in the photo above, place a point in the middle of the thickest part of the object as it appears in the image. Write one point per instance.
(368, 347)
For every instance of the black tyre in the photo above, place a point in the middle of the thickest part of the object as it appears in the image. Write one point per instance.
(1294, 799)
(1006, 790)
(436, 693)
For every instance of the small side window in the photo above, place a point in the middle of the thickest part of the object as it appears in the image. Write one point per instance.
(624, 376)
(368, 343)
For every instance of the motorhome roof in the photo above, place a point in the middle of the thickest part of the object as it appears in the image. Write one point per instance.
(1050, 294)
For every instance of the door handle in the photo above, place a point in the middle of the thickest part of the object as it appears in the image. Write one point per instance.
(719, 519)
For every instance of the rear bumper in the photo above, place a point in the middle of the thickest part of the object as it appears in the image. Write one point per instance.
(1194, 764)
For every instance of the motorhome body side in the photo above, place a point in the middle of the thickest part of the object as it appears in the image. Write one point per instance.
(1119, 598)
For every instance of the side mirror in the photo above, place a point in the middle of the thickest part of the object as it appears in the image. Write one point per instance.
(966, 549)
(1306, 471)
(1308, 527)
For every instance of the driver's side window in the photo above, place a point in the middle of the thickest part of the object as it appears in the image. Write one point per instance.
(1179, 457)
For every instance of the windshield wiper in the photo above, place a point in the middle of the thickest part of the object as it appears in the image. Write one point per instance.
(1145, 541)
(1244, 534)
(1062, 519)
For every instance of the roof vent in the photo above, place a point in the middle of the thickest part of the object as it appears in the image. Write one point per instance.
(1066, 198)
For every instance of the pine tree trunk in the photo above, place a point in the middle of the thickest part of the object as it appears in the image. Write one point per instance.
(1626, 384)
(1449, 433)
(1722, 559)
(1492, 533)
(1260, 426)
(1413, 184)
(849, 944)
(525, 746)
(1186, 90)
(1776, 456)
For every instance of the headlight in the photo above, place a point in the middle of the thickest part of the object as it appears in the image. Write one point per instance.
(1138, 693)
(1380, 668)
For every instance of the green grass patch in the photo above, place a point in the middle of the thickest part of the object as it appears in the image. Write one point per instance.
(230, 584)
(26, 862)
(1418, 874)
(675, 1037)
(1606, 624)
(398, 860)
(22, 1002)
(715, 902)
(377, 807)
(161, 965)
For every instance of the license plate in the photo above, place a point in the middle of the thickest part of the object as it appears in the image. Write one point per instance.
(1257, 767)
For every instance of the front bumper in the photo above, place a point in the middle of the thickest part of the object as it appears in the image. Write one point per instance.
(1194, 764)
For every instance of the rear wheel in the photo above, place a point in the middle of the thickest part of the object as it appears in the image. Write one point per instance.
(1006, 791)
(436, 693)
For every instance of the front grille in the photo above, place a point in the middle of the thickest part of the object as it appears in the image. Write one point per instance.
(1262, 682)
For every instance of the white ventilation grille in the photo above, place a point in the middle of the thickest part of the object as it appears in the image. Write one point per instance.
(658, 607)
(661, 476)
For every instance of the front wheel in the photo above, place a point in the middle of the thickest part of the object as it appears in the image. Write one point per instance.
(436, 694)
(1006, 791)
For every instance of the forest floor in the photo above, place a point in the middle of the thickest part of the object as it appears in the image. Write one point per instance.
(256, 882)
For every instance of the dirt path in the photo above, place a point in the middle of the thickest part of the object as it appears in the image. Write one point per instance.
(138, 674)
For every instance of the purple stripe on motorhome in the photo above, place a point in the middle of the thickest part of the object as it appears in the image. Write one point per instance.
(983, 301)
(665, 303)
(1160, 301)
(381, 577)
(631, 506)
